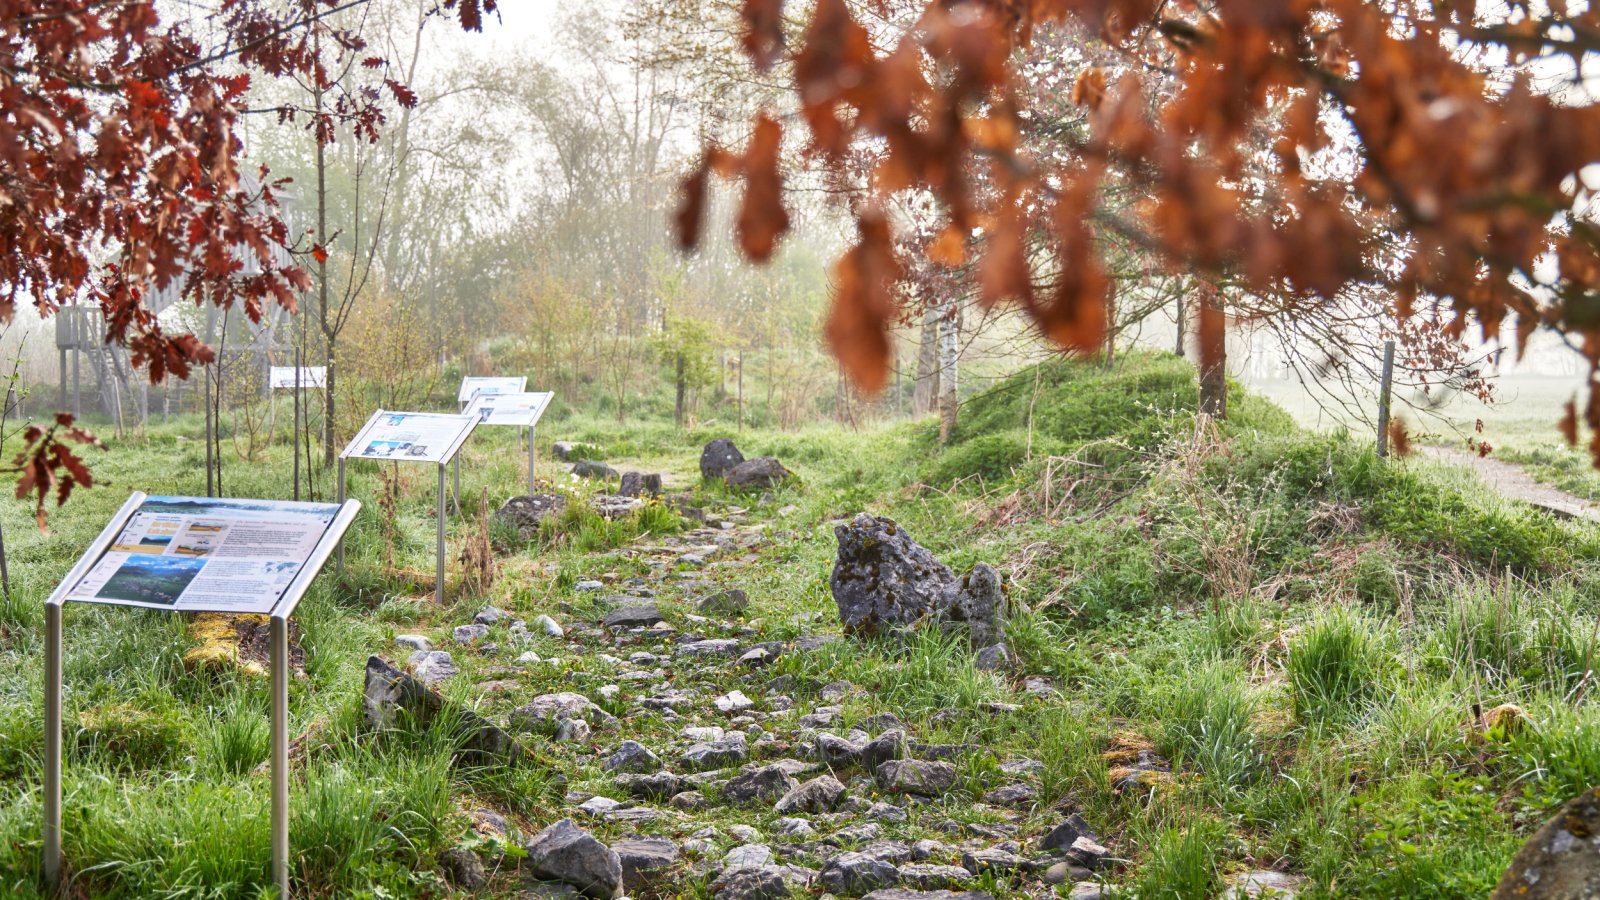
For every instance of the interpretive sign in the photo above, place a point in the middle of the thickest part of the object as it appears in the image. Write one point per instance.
(472, 385)
(411, 436)
(521, 409)
(282, 378)
(192, 554)
(206, 554)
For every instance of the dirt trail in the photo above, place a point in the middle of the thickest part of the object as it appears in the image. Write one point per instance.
(1512, 482)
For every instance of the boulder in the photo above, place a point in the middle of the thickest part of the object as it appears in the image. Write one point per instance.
(718, 458)
(638, 484)
(763, 883)
(758, 474)
(592, 468)
(525, 513)
(715, 755)
(562, 450)
(645, 861)
(882, 579)
(391, 693)
(1562, 859)
(568, 854)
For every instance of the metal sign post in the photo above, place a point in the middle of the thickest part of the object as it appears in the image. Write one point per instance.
(411, 437)
(142, 544)
(522, 409)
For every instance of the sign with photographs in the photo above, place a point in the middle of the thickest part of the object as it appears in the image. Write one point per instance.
(281, 378)
(206, 554)
(522, 409)
(473, 385)
(410, 436)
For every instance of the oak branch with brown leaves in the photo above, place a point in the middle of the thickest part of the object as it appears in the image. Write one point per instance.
(1303, 150)
(120, 167)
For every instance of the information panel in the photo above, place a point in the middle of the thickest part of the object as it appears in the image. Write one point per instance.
(206, 554)
(473, 385)
(522, 408)
(281, 378)
(410, 436)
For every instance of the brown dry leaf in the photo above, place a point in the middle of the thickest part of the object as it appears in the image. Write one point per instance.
(762, 218)
(1089, 88)
(1004, 273)
(763, 31)
(949, 247)
(863, 304)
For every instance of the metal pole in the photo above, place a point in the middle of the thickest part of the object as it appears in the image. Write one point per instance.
(532, 459)
(338, 566)
(1383, 399)
(438, 585)
(456, 496)
(52, 747)
(280, 754)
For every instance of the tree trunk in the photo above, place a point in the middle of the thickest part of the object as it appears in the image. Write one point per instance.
(677, 412)
(1177, 344)
(927, 387)
(949, 353)
(1213, 340)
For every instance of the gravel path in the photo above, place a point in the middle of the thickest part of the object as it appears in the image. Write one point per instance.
(1512, 482)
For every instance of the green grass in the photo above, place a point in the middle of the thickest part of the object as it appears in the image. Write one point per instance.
(1296, 633)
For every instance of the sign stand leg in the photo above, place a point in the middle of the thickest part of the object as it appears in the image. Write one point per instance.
(338, 566)
(439, 514)
(531, 460)
(280, 754)
(457, 495)
(52, 747)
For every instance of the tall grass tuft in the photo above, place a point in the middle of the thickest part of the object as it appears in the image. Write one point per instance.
(1207, 719)
(1334, 666)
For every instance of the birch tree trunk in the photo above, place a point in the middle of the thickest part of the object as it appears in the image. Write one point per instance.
(927, 387)
(949, 353)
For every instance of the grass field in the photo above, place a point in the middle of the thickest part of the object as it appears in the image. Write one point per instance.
(1269, 651)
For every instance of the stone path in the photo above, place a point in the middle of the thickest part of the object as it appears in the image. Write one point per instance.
(1510, 481)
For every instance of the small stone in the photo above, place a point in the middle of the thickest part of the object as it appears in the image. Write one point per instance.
(886, 812)
(1022, 768)
(992, 658)
(599, 806)
(746, 833)
(548, 626)
(711, 647)
(858, 834)
(632, 756)
(910, 894)
(469, 634)
(932, 876)
(528, 659)
(656, 785)
(488, 616)
(413, 642)
(818, 795)
(1086, 890)
(1059, 873)
(715, 755)
(548, 709)
(854, 874)
(733, 702)
(993, 860)
(765, 783)
(1017, 794)
(432, 666)
(765, 883)
(748, 856)
(589, 587)
(688, 801)
(912, 776)
(791, 827)
(572, 731)
(644, 860)
(1087, 853)
(463, 868)
(632, 617)
(731, 602)
(700, 733)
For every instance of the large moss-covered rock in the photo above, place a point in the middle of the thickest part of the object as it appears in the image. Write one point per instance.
(883, 579)
(1562, 859)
